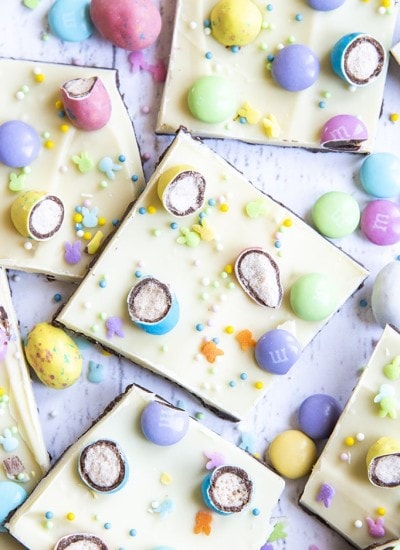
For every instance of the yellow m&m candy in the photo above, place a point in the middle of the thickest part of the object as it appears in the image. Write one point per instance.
(292, 453)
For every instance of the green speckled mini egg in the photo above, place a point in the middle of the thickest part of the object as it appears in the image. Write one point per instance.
(53, 355)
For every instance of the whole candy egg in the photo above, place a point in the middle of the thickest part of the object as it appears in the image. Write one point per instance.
(385, 297)
(53, 355)
(19, 144)
(129, 24)
(164, 425)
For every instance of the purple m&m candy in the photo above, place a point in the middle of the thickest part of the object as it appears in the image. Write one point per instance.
(163, 424)
(325, 5)
(19, 144)
(318, 415)
(295, 67)
(343, 133)
(380, 222)
(277, 351)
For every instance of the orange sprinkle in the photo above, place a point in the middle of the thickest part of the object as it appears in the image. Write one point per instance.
(203, 522)
(245, 339)
(210, 351)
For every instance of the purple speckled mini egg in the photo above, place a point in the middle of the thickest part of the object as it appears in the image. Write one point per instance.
(276, 351)
(295, 67)
(163, 424)
(380, 222)
(19, 144)
(318, 415)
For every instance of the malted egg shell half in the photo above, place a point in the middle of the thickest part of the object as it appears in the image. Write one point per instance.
(11, 496)
(37, 215)
(86, 103)
(53, 355)
(385, 297)
(164, 425)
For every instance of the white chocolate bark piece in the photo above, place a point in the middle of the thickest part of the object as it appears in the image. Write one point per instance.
(274, 115)
(96, 174)
(395, 52)
(23, 455)
(338, 490)
(161, 503)
(210, 351)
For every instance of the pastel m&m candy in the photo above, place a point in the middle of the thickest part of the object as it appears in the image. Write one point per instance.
(292, 453)
(380, 175)
(211, 99)
(163, 424)
(318, 415)
(325, 5)
(295, 67)
(380, 222)
(336, 214)
(343, 133)
(313, 297)
(276, 351)
(70, 20)
(19, 144)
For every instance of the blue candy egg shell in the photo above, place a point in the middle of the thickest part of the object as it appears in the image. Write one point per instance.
(11, 496)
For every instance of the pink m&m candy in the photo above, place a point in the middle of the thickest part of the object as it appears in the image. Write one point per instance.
(380, 222)
(343, 133)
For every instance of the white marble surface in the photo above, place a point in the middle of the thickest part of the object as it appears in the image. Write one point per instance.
(296, 177)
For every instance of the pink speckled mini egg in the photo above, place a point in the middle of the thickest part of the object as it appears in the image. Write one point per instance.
(129, 24)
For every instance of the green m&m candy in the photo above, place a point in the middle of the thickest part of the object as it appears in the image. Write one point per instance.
(211, 99)
(336, 214)
(313, 297)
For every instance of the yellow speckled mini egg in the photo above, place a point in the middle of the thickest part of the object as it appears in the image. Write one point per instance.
(53, 355)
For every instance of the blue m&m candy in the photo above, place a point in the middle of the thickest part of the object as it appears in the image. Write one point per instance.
(70, 20)
(164, 425)
(325, 5)
(277, 351)
(19, 144)
(295, 67)
(318, 415)
(380, 175)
